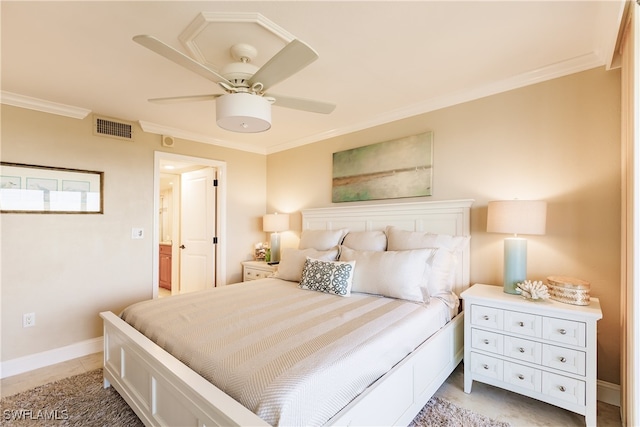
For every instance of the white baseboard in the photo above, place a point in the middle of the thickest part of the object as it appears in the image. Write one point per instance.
(50, 357)
(608, 393)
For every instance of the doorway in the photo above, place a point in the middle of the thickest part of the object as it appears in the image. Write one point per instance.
(179, 267)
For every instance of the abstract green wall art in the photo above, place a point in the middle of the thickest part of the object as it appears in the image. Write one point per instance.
(387, 170)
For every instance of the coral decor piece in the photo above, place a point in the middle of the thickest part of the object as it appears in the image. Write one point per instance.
(535, 290)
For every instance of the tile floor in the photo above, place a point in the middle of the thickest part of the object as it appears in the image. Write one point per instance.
(516, 409)
(484, 399)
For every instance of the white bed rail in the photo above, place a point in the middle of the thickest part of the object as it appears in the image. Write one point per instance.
(159, 388)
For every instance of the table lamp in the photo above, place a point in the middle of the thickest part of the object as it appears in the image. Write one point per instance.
(516, 217)
(275, 223)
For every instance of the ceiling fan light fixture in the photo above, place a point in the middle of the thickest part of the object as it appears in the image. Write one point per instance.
(243, 112)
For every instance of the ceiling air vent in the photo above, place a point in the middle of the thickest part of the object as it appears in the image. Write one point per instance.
(103, 126)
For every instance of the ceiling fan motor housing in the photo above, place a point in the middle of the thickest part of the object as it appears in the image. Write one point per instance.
(243, 112)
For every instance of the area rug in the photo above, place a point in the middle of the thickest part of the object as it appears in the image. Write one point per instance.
(82, 401)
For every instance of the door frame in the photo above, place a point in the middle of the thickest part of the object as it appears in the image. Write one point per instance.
(221, 217)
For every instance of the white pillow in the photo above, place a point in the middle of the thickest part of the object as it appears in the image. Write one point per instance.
(321, 240)
(400, 240)
(366, 240)
(331, 277)
(292, 261)
(395, 274)
(441, 266)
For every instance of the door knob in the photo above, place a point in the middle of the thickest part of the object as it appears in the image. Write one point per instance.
(181, 246)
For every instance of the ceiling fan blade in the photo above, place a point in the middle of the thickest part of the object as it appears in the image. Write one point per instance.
(179, 58)
(188, 98)
(292, 58)
(302, 104)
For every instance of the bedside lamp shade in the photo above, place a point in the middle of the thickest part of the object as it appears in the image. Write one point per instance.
(516, 217)
(275, 223)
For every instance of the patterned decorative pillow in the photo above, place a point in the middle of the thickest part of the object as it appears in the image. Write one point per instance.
(332, 277)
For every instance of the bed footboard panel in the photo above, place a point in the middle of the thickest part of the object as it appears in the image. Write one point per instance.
(399, 395)
(161, 389)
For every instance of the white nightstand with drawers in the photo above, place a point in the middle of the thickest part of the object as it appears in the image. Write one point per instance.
(546, 350)
(253, 270)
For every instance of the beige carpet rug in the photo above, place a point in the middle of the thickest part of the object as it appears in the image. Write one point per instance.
(82, 401)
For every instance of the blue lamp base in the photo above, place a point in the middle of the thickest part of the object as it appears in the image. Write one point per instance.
(515, 263)
(275, 248)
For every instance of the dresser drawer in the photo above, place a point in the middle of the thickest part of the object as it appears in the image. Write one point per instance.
(564, 359)
(523, 349)
(487, 366)
(487, 341)
(523, 376)
(486, 317)
(523, 323)
(564, 331)
(254, 274)
(563, 388)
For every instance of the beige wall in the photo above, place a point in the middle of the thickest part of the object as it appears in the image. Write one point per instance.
(558, 141)
(68, 268)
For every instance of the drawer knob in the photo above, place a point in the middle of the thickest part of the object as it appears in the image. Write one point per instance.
(486, 341)
(520, 324)
(521, 350)
(485, 317)
(562, 331)
(520, 376)
(562, 359)
(485, 366)
(562, 389)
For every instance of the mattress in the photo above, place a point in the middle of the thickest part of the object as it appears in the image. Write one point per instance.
(292, 356)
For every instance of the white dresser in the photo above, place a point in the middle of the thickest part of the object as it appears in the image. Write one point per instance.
(253, 270)
(546, 350)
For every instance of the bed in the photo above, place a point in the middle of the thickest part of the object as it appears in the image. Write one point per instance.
(163, 389)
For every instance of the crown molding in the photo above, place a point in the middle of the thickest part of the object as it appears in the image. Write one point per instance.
(36, 104)
(553, 71)
(560, 69)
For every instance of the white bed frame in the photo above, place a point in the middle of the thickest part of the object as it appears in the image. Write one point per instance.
(163, 391)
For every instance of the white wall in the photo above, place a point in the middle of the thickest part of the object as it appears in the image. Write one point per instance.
(68, 268)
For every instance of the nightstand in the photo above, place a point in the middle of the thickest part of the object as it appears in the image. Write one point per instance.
(546, 350)
(253, 270)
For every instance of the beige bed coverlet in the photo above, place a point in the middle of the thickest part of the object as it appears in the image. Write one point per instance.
(292, 356)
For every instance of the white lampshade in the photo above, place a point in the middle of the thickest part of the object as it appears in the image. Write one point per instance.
(517, 217)
(275, 222)
(243, 112)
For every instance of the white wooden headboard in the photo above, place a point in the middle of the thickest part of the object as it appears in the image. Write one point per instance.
(443, 217)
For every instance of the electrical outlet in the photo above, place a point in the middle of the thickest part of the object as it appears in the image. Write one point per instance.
(28, 319)
(137, 233)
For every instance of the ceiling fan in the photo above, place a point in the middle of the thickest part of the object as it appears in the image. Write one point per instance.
(245, 106)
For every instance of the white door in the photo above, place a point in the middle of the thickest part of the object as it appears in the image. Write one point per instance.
(197, 210)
